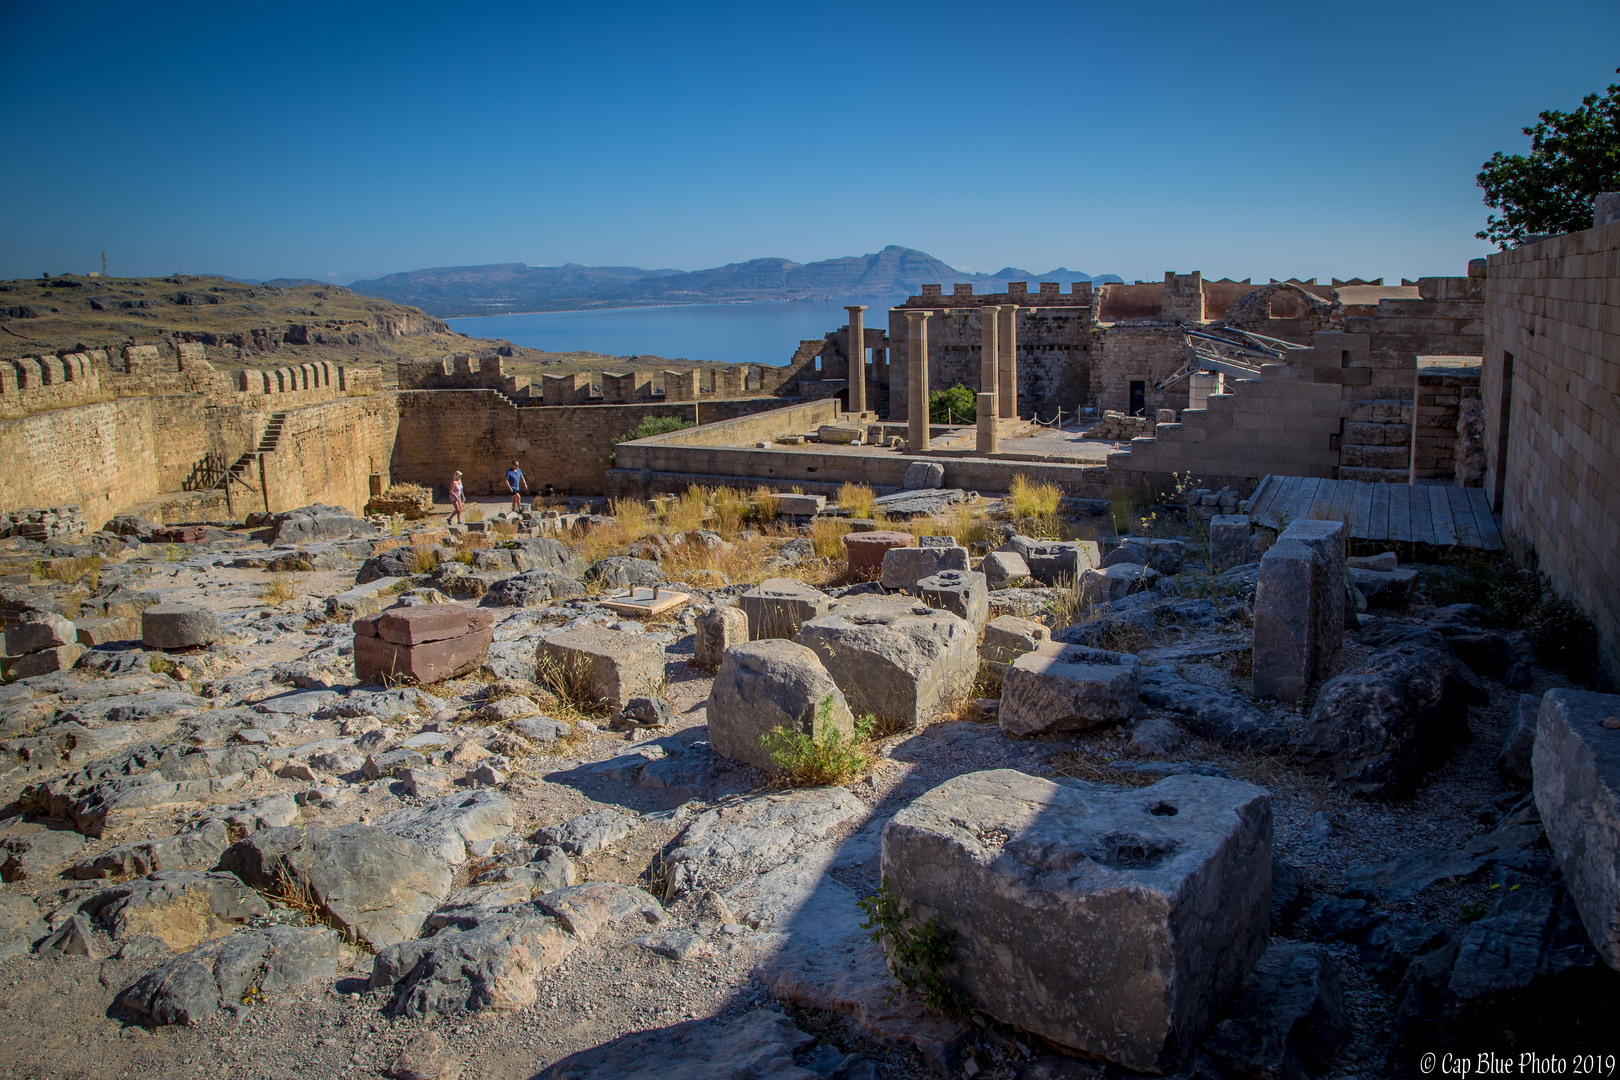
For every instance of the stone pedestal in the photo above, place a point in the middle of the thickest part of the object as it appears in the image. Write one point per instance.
(989, 439)
(917, 381)
(857, 358)
(1298, 609)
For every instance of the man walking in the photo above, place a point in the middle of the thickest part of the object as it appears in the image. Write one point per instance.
(516, 485)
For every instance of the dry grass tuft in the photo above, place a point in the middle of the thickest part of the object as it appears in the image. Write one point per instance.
(767, 504)
(71, 571)
(1098, 768)
(568, 682)
(473, 512)
(856, 500)
(278, 590)
(827, 536)
(1028, 499)
(687, 512)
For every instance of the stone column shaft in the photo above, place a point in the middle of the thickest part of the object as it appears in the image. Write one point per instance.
(1007, 383)
(989, 435)
(989, 355)
(917, 380)
(857, 358)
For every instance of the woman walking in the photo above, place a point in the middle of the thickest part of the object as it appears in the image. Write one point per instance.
(457, 495)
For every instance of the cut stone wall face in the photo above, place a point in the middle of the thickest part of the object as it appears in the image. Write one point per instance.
(1114, 921)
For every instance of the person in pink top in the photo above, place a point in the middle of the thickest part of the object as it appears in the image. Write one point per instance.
(457, 497)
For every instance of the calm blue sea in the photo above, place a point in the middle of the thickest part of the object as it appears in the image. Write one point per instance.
(727, 333)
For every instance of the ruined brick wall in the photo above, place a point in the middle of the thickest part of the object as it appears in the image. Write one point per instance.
(480, 433)
(1551, 390)
(1138, 352)
(463, 372)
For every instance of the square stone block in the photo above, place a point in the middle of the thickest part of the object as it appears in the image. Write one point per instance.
(1062, 687)
(1299, 608)
(904, 567)
(616, 665)
(1114, 921)
(961, 592)
(899, 660)
(779, 606)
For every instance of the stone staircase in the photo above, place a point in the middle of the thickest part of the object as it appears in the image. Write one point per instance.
(268, 442)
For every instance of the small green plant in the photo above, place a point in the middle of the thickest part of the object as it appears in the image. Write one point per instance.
(174, 552)
(1122, 504)
(958, 405)
(1473, 911)
(834, 758)
(917, 955)
(654, 425)
(162, 665)
(1562, 636)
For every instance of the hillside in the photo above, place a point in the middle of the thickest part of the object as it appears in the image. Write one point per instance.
(889, 275)
(254, 325)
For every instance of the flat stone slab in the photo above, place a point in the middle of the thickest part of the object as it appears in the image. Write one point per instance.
(197, 984)
(1576, 770)
(1115, 921)
(645, 601)
(865, 550)
(754, 1046)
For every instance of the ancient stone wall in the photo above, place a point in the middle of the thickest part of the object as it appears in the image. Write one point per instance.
(481, 432)
(328, 453)
(1055, 343)
(1551, 390)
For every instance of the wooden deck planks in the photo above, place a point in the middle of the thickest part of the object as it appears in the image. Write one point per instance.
(1423, 513)
(1445, 533)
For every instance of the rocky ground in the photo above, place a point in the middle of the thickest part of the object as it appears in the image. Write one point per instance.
(230, 860)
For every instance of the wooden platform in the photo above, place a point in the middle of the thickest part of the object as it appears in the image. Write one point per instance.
(1438, 514)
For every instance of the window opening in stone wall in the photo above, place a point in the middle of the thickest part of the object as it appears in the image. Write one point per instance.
(1138, 396)
(1502, 427)
(818, 363)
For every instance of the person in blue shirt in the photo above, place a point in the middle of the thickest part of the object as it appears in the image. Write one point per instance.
(516, 484)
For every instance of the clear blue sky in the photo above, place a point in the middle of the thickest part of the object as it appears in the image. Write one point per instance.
(353, 140)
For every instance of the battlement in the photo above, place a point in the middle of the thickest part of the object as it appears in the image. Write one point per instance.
(37, 384)
(1049, 295)
(463, 372)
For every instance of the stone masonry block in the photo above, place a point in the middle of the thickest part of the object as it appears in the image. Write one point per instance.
(1298, 608)
(904, 567)
(1229, 540)
(1061, 687)
(764, 685)
(961, 592)
(613, 665)
(715, 632)
(1575, 766)
(779, 606)
(895, 659)
(1113, 921)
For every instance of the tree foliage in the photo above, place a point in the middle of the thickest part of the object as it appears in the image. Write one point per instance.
(958, 405)
(1573, 156)
(654, 425)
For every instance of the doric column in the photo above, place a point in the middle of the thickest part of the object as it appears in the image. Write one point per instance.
(917, 379)
(857, 358)
(1007, 383)
(989, 400)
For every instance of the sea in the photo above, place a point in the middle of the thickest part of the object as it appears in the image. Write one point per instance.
(724, 333)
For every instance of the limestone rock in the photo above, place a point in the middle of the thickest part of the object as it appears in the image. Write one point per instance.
(613, 665)
(588, 833)
(1392, 589)
(754, 1046)
(1226, 719)
(32, 854)
(764, 685)
(963, 593)
(1228, 541)
(181, 908)
(20, 925)
(42, 661)
(532, 588)
(1115, 921)
(1164, 556)
(1514, 758)
(44, 632)
(373, 884)
(903, 567)
(761, 832)
(779, 606)
(893, 659)
(716, 631)
(1298, 609)
(454, 827)
(1007, 637)
(487, 960)
(199, 983)
(1576, 768)
(622, 572)
(1062, 687)
(423, 1058)
(178, 626)
(923, 476)
(1116, 582)
(1002, 568)
(1288, 1022)
(586, 910)
(865, 550)
(1374, 730)
(318, 522)
(1056, 562)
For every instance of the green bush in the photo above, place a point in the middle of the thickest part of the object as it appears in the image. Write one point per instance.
(654, 425)
(833, 759)
(958, 405)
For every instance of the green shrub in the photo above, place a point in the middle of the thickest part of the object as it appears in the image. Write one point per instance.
(832, 759)
(917, 956)
(958, 405)
(654, 425)
(1562, 637)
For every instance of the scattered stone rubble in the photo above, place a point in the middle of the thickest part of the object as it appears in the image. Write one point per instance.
(1240, 815)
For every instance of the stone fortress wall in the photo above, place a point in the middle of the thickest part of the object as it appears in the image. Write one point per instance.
(1551, 391)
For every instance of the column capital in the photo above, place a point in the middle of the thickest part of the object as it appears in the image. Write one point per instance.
(917, 315)
(854, 309)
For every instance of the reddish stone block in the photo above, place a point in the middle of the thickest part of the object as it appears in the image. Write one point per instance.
(377, 660)
(418, 625)
(866, 550)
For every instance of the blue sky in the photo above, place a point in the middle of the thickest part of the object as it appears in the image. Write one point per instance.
(353, 140)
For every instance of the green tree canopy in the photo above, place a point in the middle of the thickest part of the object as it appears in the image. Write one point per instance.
(958, 405)
(1573, 156)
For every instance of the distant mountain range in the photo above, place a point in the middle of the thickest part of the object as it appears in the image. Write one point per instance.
(891, 274)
